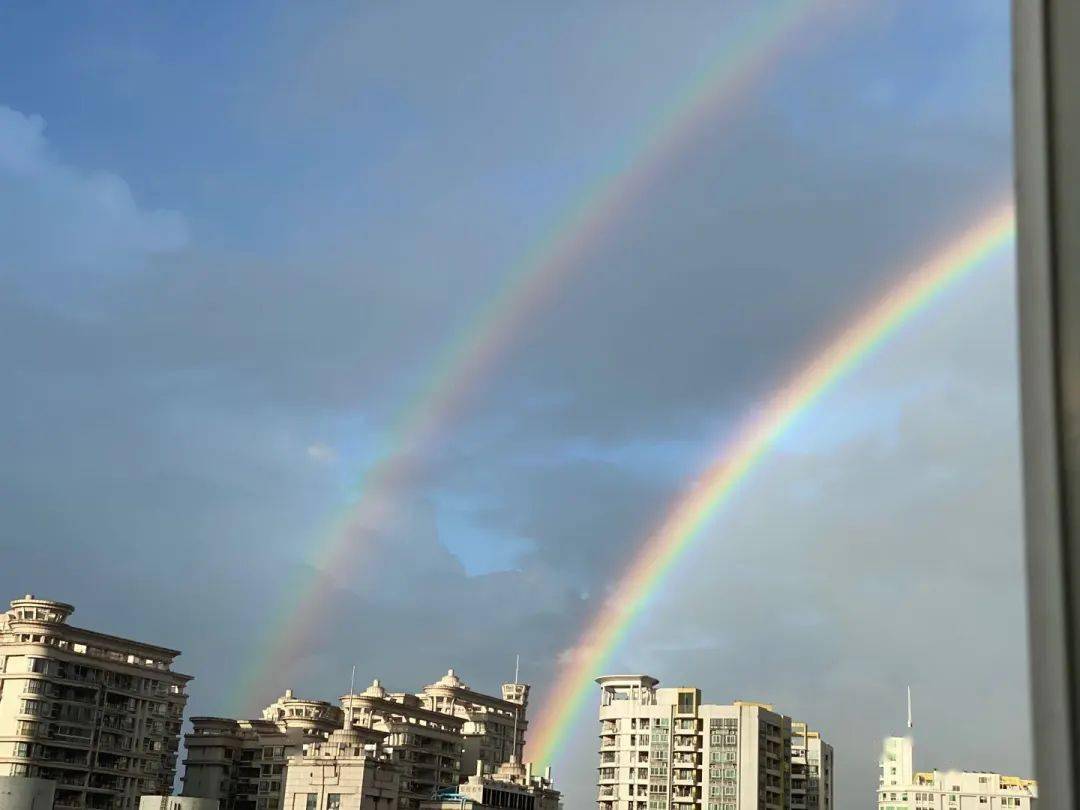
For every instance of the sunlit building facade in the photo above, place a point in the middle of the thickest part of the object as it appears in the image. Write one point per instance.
(900, 787)
(663, 749)
(98, 714)
(243, 764)
(811, 769)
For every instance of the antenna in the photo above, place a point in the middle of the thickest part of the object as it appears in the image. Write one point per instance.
(348, 700)
(517, 707)
(909, 723)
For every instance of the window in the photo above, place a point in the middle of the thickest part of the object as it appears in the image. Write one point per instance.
(312, 802)
(333, 801)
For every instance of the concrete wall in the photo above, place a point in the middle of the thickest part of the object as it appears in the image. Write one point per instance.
(24, 793)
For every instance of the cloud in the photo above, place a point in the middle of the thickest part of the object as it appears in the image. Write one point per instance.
(321, 453)
(59, 224)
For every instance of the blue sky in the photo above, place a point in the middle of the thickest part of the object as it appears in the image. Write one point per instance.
(236, 238)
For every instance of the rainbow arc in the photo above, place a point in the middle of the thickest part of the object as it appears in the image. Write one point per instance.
(733, 462)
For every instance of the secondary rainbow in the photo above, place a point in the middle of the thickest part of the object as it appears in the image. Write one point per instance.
(736, 459)
(744, 53)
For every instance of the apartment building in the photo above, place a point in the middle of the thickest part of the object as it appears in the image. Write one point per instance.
(511, 785)
(98, 714)
(663, 749)
(494, 727)
(426, 744)
(243, 764)
(346, 771)
(811, 769)
(900, 787)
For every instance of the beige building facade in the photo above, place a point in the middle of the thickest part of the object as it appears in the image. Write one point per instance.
(244, 763)
(493, 728)
(900, 787)
(97, 714)
(663, 749)
(346, 771)
(425, 744)
(811, 769)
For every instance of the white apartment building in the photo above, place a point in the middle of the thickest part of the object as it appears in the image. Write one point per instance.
(434, 734)
(494, 728)
(663, 749)
(811, 769)
(426, 744)
(243, 763)
(97, 714)
(346, 771)
(900, 787)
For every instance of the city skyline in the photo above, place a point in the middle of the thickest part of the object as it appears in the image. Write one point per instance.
(238, 248)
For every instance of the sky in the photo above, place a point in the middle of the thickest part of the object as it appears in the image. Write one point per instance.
(234, 242)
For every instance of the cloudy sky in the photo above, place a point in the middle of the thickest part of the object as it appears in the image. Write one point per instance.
(235, 244)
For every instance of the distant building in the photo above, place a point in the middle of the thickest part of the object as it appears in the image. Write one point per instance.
(428, 735)
(347, 771)
(243, 763)
(900, 787)
(494, 727)
(426, 744)
(811, 769)
(176, 803)
(98, 714)
(26, 793)
(510, 786)
(663, 749)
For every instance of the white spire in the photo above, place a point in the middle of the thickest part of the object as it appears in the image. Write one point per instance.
(909, 723)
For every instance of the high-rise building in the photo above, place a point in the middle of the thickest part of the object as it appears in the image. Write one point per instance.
(435, 734)
(243, 763)
(663, 749)
(426, 744)
(900, 787)
(811, 769)
(494, 727)
(346, 771)
(98, 714)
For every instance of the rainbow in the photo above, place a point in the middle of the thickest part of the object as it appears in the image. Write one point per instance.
(736, 459)
(747, 51)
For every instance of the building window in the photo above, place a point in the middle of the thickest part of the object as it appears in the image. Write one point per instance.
(312, 802)
(333, 801)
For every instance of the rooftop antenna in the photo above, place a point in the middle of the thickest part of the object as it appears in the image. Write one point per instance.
(909, 723)
(349, 703)
(517, 708)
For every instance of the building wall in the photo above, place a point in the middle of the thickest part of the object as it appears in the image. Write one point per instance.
(901, 789)
(98, 714)
(662, 749)
(244, 763)
(493, 727)
(24, 793)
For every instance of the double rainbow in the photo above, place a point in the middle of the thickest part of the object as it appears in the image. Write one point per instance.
(744, 53)
(735, 460)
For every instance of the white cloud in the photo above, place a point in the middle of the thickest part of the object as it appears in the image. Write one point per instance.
(61, 225)
(324, 454)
